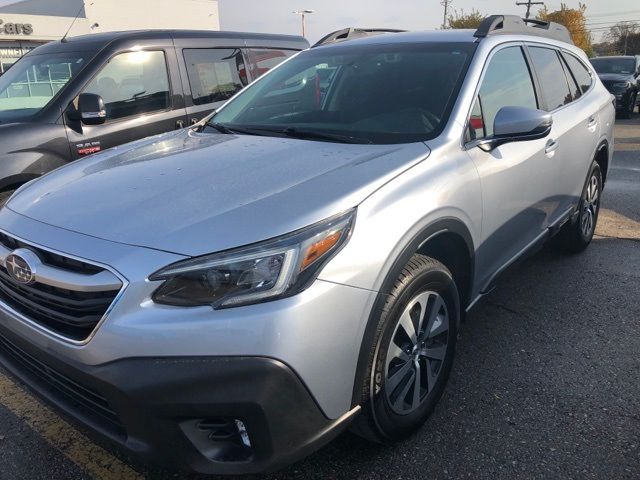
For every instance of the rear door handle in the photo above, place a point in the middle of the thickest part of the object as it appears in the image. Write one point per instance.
(550, 147)
(179, 124)
(593, 123)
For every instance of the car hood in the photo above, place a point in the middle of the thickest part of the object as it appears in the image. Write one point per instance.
(614, 77)
(193, 193)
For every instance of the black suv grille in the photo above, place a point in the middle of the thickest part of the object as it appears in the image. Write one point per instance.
(74, 395)
(70, 313)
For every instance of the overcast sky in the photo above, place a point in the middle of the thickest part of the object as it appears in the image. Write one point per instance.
(274, 16)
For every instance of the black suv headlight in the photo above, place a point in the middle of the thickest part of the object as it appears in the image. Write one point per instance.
(276, 268)
(620, 86)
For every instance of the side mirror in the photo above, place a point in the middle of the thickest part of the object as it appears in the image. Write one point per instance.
(89, 109)
(517, 124)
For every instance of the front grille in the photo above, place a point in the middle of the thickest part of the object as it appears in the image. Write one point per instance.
(73, 314)
(75, 396)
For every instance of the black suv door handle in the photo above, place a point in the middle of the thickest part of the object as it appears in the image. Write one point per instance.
(179, 124)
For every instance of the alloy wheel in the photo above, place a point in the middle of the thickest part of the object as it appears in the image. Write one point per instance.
(416, 352)
(590, 207)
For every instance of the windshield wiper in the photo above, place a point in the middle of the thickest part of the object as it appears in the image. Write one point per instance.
(314, 135)
(228, 130)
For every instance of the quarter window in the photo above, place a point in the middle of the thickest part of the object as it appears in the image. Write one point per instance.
(580, 72)
(507, 83)
(551, 76)
(133, 83)
(215, 74)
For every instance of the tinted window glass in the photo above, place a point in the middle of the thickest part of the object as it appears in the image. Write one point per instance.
(507, 83)
(552, 77)
(395, 93)
(580, 72)
(576, 91)
(215, 74)
(264, 59)
(624, 66)
(33, 81)
(132, 83)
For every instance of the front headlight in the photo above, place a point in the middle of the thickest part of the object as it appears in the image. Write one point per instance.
(264, 271)
(619, 86)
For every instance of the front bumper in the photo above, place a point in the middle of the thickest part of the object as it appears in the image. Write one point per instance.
(173, 411)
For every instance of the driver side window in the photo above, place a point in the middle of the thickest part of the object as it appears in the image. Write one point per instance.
(133, 83)
(507, 82)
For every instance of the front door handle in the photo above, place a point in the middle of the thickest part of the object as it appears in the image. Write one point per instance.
(550, 147)
(194, 121)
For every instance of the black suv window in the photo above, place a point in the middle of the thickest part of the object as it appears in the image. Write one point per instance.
(133, 83)
(215, 74)
(507, 82)
(264, 59)
(580, 72)
(551, 76)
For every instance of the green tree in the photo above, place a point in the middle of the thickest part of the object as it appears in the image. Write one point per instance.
(465, 20)
(575, 21)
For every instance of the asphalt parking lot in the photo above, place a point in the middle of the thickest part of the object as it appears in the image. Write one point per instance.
(546, 383)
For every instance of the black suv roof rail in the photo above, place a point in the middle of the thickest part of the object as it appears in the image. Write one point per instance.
(352, 33)
(512, 24)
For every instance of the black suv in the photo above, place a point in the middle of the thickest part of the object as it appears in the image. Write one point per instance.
(621, 76)
(71, 98)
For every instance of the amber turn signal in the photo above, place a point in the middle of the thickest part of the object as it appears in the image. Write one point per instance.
(318, 249)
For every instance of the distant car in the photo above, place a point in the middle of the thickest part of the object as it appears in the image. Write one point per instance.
(621, 76)
(68, 99)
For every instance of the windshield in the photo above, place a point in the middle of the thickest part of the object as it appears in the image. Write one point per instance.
(31, 83)
(623, 66)
(394, 93)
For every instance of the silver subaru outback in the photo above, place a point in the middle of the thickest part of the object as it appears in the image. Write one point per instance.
(229, 297)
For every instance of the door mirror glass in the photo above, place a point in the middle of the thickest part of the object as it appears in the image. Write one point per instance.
(91, 109)
(517, 124)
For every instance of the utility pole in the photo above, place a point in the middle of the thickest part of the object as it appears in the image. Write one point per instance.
(445, 4)
(303, 14)
(528, 3)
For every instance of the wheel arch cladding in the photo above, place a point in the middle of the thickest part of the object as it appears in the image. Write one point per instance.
(602, 159)
(447, 240)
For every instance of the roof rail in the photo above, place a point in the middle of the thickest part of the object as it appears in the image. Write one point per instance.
(512, 24)
(353, 33)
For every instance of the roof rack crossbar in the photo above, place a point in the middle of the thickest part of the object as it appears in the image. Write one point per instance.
(352, 33)
(512, 24)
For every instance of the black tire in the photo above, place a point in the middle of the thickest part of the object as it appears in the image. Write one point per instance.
(627, 112)
(422, 276)
(573, 238)
(4, 196)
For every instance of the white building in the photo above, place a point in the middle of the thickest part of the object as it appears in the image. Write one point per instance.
(25, 24)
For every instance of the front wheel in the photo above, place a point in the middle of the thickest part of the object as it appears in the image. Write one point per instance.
(413, 352)
(576, 235)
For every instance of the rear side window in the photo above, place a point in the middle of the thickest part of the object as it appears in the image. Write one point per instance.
(215, 74)
(264, 59)
(507, 82)
(580, 72)
(133, 83)
(551, 76)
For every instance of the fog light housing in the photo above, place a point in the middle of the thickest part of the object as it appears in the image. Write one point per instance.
(220, 439)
